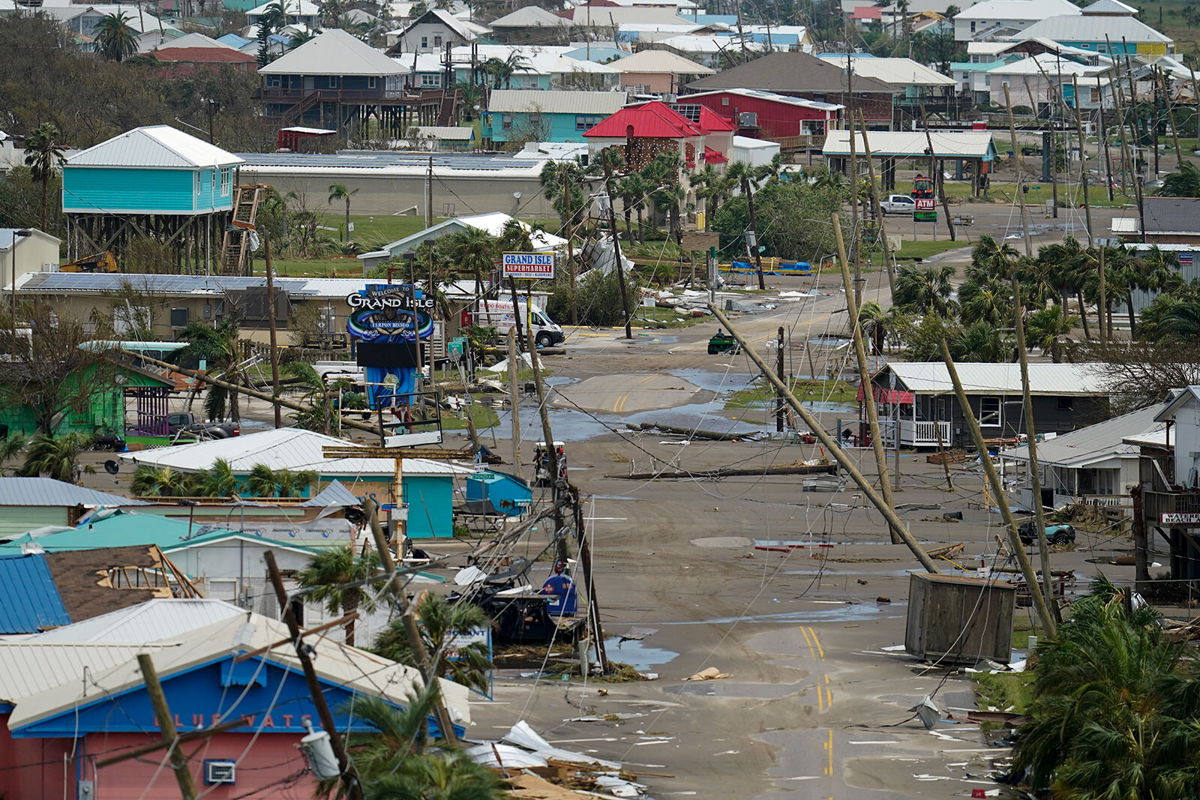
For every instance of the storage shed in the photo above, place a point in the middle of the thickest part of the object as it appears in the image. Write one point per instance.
(958, 619)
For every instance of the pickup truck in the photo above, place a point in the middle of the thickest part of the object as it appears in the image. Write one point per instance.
(897, 204)
(186, 423)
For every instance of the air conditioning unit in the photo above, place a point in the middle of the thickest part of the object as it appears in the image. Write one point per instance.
(747, 119)
(219, 771)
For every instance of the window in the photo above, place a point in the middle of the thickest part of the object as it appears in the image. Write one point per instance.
(724, 101)
(989, 412)
(273, 82)
(507, 121)
(972, 27)
(437, 41)
(371, 82)
(424, 42)
(585, 122)
(226, 180)
(433, 80)
(333, 81)
(1066, 404)
(1095, 95)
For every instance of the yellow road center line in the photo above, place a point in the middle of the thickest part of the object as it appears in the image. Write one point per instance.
(807, 641)
(817, 640)
(830, 749)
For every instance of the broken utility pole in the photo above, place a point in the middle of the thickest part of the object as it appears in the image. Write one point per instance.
(166, 724)
(844, 460)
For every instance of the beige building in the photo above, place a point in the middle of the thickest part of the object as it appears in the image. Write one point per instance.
(25, 250)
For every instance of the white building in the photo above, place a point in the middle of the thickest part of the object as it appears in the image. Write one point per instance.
(1047, 80)
(999, 18)
(431, 33)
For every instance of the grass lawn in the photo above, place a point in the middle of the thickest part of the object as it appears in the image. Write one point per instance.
(663, 317)
(805, 390)
(483, 416)
(928, 249)
(1005, 690)
(960, 191)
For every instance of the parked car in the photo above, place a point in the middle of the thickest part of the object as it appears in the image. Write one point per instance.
(897, 204)
(1055, 534)
(186, 423)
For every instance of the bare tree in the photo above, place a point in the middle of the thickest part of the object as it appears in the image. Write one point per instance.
(1140, 374)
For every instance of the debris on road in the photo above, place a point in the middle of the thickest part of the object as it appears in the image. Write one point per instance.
(797, 468)
(708, 674)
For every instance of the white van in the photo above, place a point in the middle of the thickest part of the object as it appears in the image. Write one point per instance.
(499, 314)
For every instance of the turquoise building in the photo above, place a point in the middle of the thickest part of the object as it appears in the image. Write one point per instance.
(519, 115)
(151, 181)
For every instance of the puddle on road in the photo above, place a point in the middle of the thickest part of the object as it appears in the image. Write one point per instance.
(718, 381)
(851, 612)
(723, 688)
(638, 654)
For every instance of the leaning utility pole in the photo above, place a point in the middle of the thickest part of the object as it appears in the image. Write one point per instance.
(551, 452)
(864, 378)
(936, 168)
(1040, 601)
(831, 446)
(514, 398)
(273, 325)
(348, 778)
(1012, 136)
(612, 231)
(1083, 172)
(889, 258)
(166, 725)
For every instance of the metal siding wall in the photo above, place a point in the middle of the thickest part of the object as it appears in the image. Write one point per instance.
(430, 507)
(15, 520)
(87, 189)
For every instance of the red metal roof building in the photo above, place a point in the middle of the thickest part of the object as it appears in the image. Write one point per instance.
(206, 57)
(654, 120)
(765, 115)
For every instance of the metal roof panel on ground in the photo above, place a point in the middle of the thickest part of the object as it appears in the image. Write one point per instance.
(912, 144)
(931, 377)
(1093, 444)
(334, 52)
(516, 101)
(154, 146)
(31, 602)
(357, 670)
(493, 224)
(284, 448)
(791, 72)
(49, 492)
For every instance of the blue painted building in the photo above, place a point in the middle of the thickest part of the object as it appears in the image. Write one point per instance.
(32, 601)
(517, 115)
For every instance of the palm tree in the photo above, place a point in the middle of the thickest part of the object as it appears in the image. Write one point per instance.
(219, 346)
(1115, 710)
(151, 481)
(474, 251)
(873, 321)
(441, 622)
(923, 290)
(993, 259)
(338, 191)
(324, 399)
(1185, 183)
(12, 445)
(115, 37)
(55, 457)
(1045, 329)
(43, 155)
(634, 189)
(562, 184)
(219, 480)
(747, 177)
(294, 483)
(989, 300)
(333, 575)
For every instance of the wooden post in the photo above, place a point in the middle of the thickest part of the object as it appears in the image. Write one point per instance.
(589, 581)
(166, 724)
(514, 398)
(936, 169)
(271, 322)
(348, 778)
(779, 403)
(855, 231)
(1035, 477)
(1040, 601)
(1104, 142)
(1083, 173)
(1012, 137)
(516, 301)
(551, 452)
(616, 243)
(864, 377)
(839, 455)
(1105, 316)
(410, 624)
(1141, 569)
(889, 258)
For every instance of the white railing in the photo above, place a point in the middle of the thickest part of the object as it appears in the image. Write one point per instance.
(918, 433)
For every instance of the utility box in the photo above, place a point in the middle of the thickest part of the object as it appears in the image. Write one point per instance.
(957, 619)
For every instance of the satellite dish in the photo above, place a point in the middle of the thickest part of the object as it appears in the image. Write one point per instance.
(111, 467)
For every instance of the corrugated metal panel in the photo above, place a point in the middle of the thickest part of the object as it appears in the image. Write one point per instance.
(49, 492)
(285, 448)
(335, 52)
(15, 520)
(31, 599)
(154, 146)
(982, 378)
(661, 61)
(154, 620)
(523, 101)
(1084, 28)
(911, 143)
(28, 667)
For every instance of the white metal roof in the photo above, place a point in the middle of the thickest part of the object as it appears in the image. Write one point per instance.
(759, 94)
(448, 132)
(661, 61)
(695, 43)
(49, 492)
(509, 101)
(1089, 28)
(1093, 444)
(1109, 7)
(334, 52)
(969, 144)
(151, 621)
(29, 666)
(357, 670)
(931, 377)
(1051, 65)
(154, 146)
(295, 8)
(284, 448)
(195, 40)
(529, 17)
(896, 71)
(1018, 9)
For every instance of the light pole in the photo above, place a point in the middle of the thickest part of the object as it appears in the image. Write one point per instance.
(19, 233)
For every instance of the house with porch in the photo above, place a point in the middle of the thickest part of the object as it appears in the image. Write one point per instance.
(917, 404)
(1105, 26)
(432, 32)
(1095, 465)
(996, 18)
(766, 115)
(545, 116)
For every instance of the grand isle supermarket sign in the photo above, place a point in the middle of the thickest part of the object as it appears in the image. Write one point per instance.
(531, 266)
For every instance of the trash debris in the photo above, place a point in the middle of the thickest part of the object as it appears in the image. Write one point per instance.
(709, 674)
(928, 712)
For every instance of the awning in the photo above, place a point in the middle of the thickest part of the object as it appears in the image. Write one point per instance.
(714, 156)
(885, 395)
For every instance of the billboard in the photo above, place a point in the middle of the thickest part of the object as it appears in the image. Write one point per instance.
(531, 266)
(389, 313)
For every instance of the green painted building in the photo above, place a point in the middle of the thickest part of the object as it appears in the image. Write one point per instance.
(105, 411)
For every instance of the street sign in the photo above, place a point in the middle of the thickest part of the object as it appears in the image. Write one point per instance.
(925, 204)
(530, 266)
(1182, 518)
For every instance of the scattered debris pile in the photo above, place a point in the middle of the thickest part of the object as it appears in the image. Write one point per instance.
(537, 770)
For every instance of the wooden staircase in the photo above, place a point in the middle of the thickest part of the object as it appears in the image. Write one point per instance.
(447, 112)
(235, 247)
